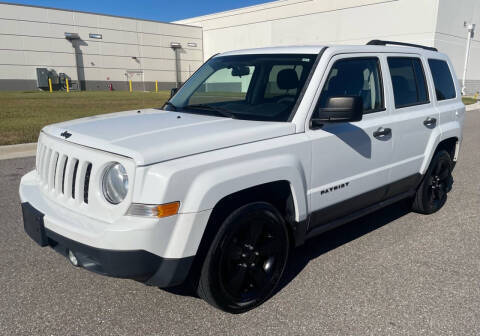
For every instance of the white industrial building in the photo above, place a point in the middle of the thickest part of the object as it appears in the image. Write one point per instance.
(112, 50)
(438, 23)
(99, 49)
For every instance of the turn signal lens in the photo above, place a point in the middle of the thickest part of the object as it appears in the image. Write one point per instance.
(168, 209)
(149, 210)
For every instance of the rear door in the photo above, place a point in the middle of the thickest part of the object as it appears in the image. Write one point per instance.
(350, 165)
(414, 119)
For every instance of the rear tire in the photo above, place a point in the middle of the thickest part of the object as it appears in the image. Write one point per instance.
(246, 259)
(432, 193)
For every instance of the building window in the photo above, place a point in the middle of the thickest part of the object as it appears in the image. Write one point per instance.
(95, 36)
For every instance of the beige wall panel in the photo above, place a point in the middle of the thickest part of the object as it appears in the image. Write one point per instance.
(165, 40)
(119, 62)
(39, 59)
(86, 20)
(117, 23)
(113, 48)
(88, 47)
(10, 42)
(251, 36)
(157, 52)
(161, 76)
(8, 26)
(58, 59)
(9, 11)
(58, 31)
(179, 30)
(158, 64)
(275, 11)
(93, 61)
(17, 72)
(12, 57)
(33, 28)
(27, 13)
(57, 16)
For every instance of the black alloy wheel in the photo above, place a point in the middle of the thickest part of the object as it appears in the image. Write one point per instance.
(432, 193)
(246, 260)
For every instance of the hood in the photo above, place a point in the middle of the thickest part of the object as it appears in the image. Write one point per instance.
(150, 136)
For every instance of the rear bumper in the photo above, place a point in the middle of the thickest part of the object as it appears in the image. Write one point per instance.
(133, 264)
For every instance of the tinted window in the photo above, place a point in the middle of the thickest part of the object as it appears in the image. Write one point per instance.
(355, 77)
(408, 80)
(442, 78)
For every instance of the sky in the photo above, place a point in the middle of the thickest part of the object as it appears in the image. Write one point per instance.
(160, 10)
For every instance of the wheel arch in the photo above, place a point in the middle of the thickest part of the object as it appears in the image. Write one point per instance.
(279, 193)
(447, 139)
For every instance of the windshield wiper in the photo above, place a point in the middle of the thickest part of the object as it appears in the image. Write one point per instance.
(172, 105)
(219, 110)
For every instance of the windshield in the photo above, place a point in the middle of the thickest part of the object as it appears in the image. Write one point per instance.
(252, 87)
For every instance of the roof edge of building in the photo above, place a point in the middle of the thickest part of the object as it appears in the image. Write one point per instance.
(101, 14)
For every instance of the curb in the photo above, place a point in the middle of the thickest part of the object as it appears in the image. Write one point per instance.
(472, 107)
(18, 151)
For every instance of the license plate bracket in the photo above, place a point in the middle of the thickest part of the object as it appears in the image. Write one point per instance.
(34, 225)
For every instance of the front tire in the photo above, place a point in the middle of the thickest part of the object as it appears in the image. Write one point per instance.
(432, 193)
(246, 260)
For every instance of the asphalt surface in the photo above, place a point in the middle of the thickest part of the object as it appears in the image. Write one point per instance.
(391, 273)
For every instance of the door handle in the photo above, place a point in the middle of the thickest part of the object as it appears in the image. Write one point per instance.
(430, 122)
(382, 133)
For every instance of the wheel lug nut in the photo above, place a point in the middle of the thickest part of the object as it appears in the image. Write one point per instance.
(256, 253)
(252, 265)
(244, 255)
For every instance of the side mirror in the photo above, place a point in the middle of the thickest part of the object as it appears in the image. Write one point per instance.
(339, 109)
(173, 91)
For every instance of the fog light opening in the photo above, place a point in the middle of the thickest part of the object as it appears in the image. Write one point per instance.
(73, 259)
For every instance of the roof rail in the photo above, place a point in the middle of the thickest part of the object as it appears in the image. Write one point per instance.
(383, 43)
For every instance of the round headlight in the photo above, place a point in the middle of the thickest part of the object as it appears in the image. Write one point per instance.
(115, 183)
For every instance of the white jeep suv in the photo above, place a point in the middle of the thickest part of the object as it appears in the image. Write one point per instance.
(258, 151)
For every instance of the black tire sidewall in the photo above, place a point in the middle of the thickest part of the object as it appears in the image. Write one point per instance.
(426, 205)
(210, 279)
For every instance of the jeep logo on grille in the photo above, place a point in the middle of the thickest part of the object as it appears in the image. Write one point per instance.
(66, 135)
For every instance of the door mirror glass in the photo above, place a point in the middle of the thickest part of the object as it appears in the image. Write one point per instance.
(339, 109)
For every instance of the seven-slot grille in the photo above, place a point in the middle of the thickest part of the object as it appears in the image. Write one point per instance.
(62, 174)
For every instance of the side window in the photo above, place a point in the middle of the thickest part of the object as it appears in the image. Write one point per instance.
(355, 77)
(442, 78)
(408, 81)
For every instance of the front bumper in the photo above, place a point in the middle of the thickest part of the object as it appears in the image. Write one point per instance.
(158, 251)
(133, 264)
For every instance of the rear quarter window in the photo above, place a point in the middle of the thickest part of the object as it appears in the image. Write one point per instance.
(442, 79)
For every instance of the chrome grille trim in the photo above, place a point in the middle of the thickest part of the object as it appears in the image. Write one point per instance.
(61, 174)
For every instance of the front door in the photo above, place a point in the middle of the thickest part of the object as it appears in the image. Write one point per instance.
(350, 160)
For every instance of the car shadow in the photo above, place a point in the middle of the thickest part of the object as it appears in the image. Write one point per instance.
(315, 247)
(324, 243)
